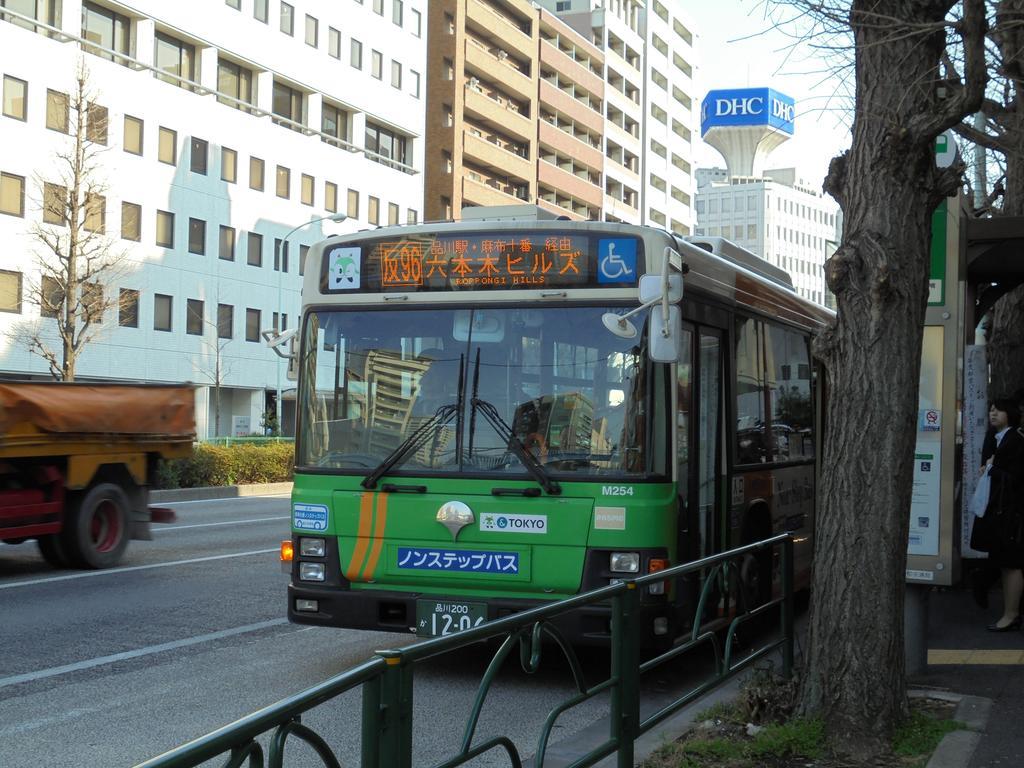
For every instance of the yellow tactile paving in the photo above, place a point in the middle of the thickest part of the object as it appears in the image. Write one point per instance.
(975, 656)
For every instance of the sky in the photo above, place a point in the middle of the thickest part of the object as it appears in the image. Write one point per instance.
(739, 48)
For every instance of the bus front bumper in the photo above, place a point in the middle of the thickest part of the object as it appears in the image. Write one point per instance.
(386, 611)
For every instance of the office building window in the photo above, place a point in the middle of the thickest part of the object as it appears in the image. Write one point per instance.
(353, 204)
(392, 213)
(55, 203)
(95, 213)
(236, 4)
(128, 308)
(303, 253)
(373, 213)
(396, 74)
(255, 174)
(235, 82)
(228, 165)
(259, 10)
(417, 23)
(197, 236)
(312, 31)
(15, 98)
(387, 144)
(252, 325)
(176, 59)
(331, 196)
(225, 321)
(131, 221)
(226, 250)
(308, 183)
(167, 152)
(198, 155)
(280, 255)
(287, 19)
(377, 64)
(51, 298)
(334, 123)
(356, 54)
(132, 140)
(165, 229)
(333, 43)
(106, 29)
(287, 103)
(254, 250)
(415, 89)
(396, 12)
(378, 7)
(10, 291)
(162, 305)
(57, 111)
(194, 317)
(412, 216)
(284, 182)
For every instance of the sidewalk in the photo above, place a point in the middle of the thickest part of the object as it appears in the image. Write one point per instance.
(219, 492)
(964, 658)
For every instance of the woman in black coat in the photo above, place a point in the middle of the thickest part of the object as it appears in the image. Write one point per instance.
(1003, 456)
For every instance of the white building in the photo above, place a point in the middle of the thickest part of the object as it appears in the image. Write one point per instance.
(650, 109)
(228, 124)
(786, 221)
(770, 212)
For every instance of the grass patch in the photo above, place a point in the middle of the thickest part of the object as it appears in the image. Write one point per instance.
(921, 734)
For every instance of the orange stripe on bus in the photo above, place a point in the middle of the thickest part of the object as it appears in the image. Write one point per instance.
(363, 535)
(378, 536)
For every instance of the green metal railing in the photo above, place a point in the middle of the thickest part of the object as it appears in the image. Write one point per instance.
(387, 679)
(249, 440)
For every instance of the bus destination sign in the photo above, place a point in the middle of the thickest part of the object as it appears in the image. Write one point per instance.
(482, 261)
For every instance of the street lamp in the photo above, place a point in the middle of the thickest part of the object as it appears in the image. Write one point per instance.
(335, 217)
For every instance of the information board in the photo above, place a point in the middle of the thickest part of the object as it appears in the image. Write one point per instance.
(482, 261)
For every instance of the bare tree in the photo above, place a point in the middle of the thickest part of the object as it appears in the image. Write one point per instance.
(887, 185)
(212, 365)
(999, 129)
(77, 263)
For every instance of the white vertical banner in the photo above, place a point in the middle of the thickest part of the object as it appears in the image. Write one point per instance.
(975, 427)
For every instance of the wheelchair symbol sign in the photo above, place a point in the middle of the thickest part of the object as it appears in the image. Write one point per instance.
(616, 260)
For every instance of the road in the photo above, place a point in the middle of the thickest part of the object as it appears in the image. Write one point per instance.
(108, 668)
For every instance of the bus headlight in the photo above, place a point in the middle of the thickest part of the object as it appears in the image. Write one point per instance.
(312, 547)
(312, 571)
(625, 562)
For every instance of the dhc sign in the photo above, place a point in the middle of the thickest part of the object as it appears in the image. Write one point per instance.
(747, 106)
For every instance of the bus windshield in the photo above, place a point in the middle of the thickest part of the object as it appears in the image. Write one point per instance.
(551, 378)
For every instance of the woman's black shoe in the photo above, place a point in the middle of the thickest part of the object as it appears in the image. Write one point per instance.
(1015, 624)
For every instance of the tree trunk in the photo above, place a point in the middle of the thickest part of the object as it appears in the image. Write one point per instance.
(888, 186)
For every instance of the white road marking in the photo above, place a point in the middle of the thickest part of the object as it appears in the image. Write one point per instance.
(147, 651)
(162, 528)
(113, 571)
(228, 498)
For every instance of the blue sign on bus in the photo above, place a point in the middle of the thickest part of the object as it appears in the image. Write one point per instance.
(747, 107)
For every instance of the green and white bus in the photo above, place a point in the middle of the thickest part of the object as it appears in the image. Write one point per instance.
(512, 409)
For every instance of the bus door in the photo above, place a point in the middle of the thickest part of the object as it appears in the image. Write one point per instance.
(699, 421)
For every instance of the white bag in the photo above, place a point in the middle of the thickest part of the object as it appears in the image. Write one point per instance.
(979, 499)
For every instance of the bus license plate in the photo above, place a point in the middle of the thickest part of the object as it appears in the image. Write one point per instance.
(446, 617)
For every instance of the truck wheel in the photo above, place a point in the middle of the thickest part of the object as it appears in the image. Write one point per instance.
(52, 550)
(96, 530)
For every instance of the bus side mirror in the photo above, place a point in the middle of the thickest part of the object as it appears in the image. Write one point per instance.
(663, 337)
(277, 341)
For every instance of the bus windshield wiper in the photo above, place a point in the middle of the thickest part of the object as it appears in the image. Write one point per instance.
(504, 432)
(412, 443)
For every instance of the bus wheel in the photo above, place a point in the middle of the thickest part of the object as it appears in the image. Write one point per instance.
(52, 550)
(756, 568)
(96, 530)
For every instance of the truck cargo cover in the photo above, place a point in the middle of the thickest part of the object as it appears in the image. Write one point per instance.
(72, 408)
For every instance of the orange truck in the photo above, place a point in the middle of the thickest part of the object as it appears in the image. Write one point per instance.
(77, 461)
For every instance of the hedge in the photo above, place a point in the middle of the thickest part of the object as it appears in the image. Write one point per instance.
(239, 464)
